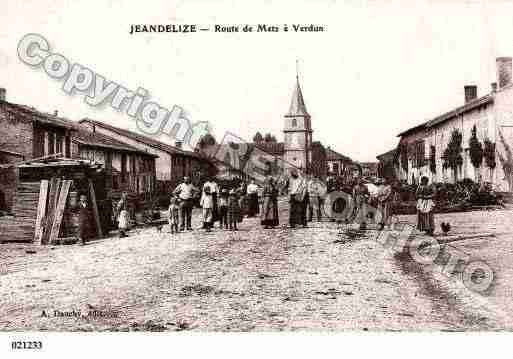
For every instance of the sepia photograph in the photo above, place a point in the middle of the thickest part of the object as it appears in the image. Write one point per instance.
(333, 167)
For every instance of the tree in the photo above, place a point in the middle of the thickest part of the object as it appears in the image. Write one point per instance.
(506, 162)
(206, 141)
(452, 155)
(258, 137)
(489, 156)
(432, 159)
(402, 153)
(476, 151)
(269, 138)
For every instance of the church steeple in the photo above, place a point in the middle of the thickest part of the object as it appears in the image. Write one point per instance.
(297, 105)
(298, 131)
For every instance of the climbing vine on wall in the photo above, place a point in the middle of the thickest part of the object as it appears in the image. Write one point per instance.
(432, 159)
(475, 149)
(489, 154)
(506, 161)
(452, 154)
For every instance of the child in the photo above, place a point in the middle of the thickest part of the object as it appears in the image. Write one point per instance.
(174, 209)
(223, 209)
(233, 209)
(207, 203)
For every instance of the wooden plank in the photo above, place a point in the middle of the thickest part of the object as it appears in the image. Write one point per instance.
(41, 211)
(95, 210)
(59, 210)
(54, 190)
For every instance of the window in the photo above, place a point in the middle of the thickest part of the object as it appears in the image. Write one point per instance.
(294, 122)
(51, 143)
(68, 147)
(58, 144)
(419, 159)
(335, 168)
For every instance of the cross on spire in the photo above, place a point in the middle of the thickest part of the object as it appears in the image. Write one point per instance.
(297, 105)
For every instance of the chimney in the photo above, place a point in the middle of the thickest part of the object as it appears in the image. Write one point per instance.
(178, 144)
(470, 93)
(503, 71)
(2, 94)
(494, 86)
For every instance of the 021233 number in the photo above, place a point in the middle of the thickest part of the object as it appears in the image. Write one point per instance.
(26, 345)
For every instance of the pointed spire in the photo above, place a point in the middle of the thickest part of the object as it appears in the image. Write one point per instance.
(297, 105)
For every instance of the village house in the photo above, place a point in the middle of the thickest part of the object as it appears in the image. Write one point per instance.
(127, 168)
(336, 163)
(368, 169)
(421, 148)
(172, 162)
(387, 167)
(26, 134)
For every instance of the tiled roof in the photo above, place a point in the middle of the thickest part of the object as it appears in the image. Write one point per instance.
(335, 156)
(471, 105)
(142, 139)
(32, 114)
(273, 148)
(96, 139)
(387, 155)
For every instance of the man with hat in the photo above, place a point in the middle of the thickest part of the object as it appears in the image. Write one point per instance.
(186, 192)
(83, 219)
(384, 198)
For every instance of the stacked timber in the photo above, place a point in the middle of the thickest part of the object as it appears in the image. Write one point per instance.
(21, 226)
(43, 215)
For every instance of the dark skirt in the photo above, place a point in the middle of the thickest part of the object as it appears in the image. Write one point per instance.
(426, 222)
(234, 212)
(215, 210)
(253, 204)
(270, 212)
(297, 212)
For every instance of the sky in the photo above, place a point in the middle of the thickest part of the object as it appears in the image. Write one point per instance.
(379, 67)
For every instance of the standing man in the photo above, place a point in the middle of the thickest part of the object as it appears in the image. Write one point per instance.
(82, 219)
(361, 197)
(316, 191)
(384, 197)
(186, 192)
(214, 191)
(207, 204)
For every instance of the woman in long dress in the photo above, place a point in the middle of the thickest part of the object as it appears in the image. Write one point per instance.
(252, 193)
(269, 217)
(425, 207)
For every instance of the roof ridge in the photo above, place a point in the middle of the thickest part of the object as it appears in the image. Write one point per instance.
(472, 104)
(149, 141)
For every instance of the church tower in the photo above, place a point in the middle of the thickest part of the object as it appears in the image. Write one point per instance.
(298, 132)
